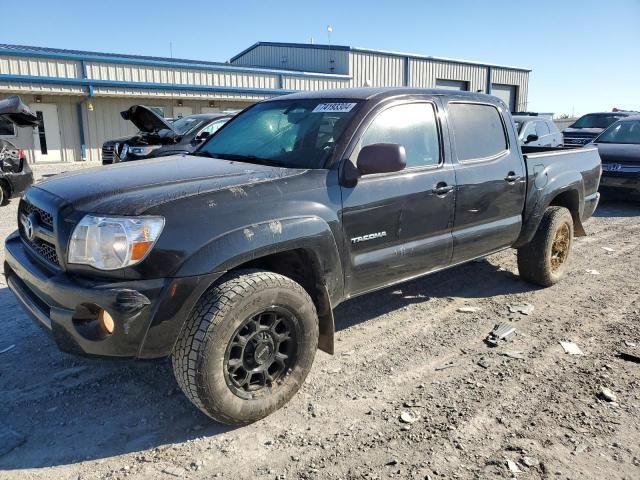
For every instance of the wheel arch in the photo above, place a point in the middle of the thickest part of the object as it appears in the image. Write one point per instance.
(303, 249)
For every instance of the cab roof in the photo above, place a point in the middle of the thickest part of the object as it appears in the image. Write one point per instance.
(370, 93)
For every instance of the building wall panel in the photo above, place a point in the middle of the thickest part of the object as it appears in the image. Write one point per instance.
(292, 58)
(44, 67)
(514, 77)
(376, 70)
(424, 73)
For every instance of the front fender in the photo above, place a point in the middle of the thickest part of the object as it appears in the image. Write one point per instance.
(236, 247)
(546, 187)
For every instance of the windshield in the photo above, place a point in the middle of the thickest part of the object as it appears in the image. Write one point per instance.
(596, 120)
(289, 133)
(185, 125)
(627, 131)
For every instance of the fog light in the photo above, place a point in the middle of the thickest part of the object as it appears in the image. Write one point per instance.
(106, 321)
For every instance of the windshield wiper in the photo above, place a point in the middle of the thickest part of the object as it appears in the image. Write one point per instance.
(202, 153)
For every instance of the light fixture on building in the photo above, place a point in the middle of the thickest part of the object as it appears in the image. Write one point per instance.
(90, 106)
(38, 99)
(212, 104)
(179, 103)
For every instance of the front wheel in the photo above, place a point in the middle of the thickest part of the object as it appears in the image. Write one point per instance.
(544, 260)
(247, 347)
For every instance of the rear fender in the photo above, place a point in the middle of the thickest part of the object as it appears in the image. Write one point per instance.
(565, 189)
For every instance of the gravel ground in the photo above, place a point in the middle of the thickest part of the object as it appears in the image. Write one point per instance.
(412, 392)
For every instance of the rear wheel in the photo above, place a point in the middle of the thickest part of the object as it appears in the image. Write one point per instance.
(247, 347)
(544, 260)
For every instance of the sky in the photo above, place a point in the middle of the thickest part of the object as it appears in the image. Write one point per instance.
(584, 55)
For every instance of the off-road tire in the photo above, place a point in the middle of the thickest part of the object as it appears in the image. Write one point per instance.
(199, 355)
(536, 259)
(4, 195)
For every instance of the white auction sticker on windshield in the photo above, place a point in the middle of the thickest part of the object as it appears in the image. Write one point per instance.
(334, 107)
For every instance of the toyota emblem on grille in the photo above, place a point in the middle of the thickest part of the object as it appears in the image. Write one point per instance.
(28, 226)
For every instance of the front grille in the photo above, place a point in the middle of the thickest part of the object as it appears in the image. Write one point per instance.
(45, 249)
(45, 218)
(577, 140)
(107, 153)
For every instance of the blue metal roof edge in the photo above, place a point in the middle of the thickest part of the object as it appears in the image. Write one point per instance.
(106, 58)
(87, 82)
(371, 50)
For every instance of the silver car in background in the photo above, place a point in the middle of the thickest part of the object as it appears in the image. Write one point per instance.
(537, 131)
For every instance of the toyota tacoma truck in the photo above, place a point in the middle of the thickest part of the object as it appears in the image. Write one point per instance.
(231, 260)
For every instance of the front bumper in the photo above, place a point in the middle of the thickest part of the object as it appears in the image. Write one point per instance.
(19, 181)
(629, 181)
(148, 314)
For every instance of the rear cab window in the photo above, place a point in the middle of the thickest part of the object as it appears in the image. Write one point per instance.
(478, 131)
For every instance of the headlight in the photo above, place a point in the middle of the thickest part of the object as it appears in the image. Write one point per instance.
(143, 150)
(109, 243)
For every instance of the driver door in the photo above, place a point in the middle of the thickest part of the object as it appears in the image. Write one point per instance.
(399, 225)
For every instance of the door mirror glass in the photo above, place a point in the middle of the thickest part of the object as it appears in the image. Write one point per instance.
(531, 138)
(381, 158)
(202, 136)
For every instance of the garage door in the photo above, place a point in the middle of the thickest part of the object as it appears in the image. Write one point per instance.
(452, 84)
(507, 93)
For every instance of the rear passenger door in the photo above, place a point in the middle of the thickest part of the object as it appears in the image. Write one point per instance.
(490, 178)
(397, 225)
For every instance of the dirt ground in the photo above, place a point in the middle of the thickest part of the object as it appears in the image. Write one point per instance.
(405, 350)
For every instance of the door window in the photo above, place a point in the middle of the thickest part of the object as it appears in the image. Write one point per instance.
(529, 129)
(411, 125)
(214, 126)
(478, 131)
(542, 129)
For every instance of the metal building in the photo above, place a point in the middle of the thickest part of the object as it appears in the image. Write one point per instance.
(79, 94)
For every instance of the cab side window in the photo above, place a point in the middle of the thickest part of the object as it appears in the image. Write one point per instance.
(214, 126)
(542, 129)
(529, 129)
(478, 131)
(411, 125)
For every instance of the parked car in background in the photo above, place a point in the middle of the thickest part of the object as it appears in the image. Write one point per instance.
(536, 131)
(589, 126)
(231, 260)
(619, 147)
(15, 173)
(159, 136)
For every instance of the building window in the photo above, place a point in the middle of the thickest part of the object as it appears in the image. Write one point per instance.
(7, 129)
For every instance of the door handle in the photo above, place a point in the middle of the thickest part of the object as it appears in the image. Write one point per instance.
(512, 177)
(442, 188)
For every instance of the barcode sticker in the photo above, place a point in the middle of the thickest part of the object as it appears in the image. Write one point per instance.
(334, 107)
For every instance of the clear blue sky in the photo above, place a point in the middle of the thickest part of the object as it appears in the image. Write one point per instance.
(585, 55)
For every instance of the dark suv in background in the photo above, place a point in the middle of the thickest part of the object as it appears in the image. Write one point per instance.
(158, 136)
(589, 126)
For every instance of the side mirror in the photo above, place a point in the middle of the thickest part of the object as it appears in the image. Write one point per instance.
(381, 158)
(531, 138)
(202, 136)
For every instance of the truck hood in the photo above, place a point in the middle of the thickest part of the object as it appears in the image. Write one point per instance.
(133, 188)
(146, 120)
(17, 112)
(583, 131)
(619, 153)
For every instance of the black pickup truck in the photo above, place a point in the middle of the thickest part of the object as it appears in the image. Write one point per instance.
(231, 260)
